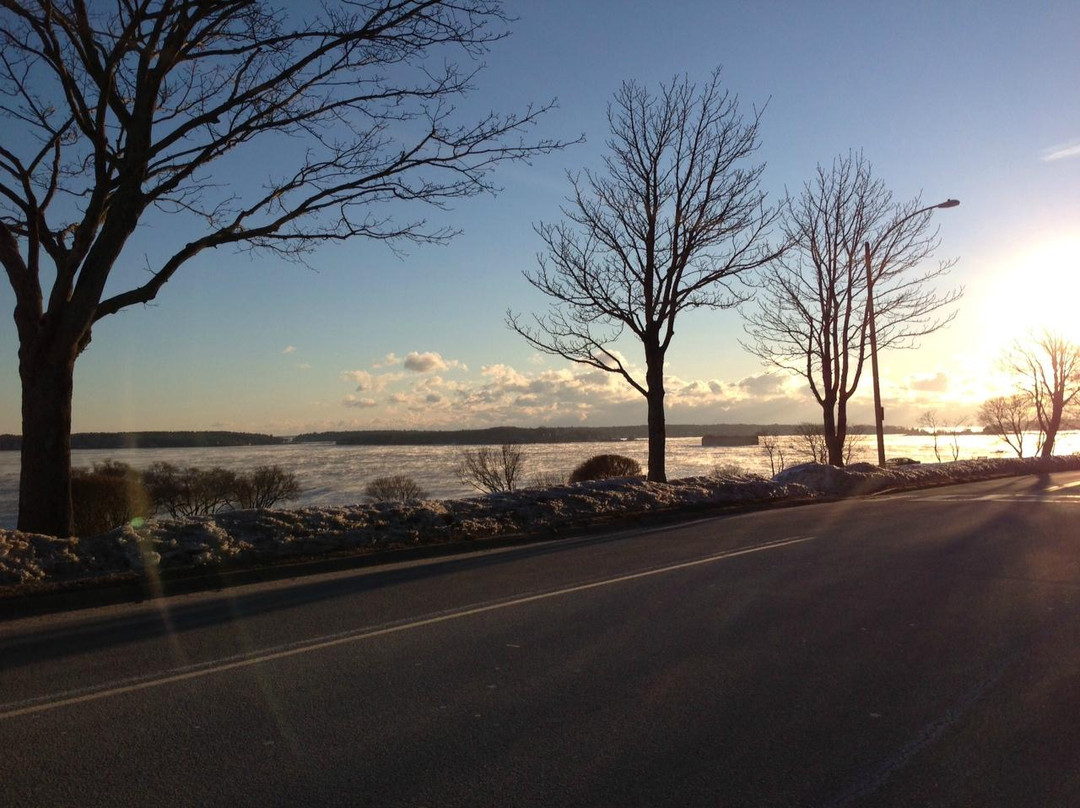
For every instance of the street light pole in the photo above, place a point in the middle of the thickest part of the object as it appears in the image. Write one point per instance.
(879, 411)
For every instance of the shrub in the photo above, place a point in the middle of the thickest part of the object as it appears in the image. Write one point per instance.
(601, 467)
(396, 488)
(492, 470)
(203, 492)
(189, 491)
(265, 487)
(107, 496)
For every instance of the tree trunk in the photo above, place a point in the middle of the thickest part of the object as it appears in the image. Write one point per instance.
(45, 476)
(1051, 433)
(654, 376)
(834, 437)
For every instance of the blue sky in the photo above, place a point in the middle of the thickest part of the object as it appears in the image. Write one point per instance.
(974, 100)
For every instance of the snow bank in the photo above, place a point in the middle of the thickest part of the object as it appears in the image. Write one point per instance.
(245, 538)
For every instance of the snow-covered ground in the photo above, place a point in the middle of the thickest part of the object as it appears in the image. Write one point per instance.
(246, 538)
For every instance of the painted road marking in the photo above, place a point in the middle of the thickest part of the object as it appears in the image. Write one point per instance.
(1072, 500)
(172, 676)
(1063, 486)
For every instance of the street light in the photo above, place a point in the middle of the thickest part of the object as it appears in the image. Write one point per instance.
(879, 412)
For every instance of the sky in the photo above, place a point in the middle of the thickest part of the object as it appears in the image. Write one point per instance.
(978, 101)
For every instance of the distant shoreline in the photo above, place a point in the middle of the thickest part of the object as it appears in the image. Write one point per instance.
(155, 440)
(197, 439)
(548, 434)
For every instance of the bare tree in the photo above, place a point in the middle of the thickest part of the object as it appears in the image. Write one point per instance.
(810, 315)
(954, 448)
(774, 450)
(1009, 417)
(1047, 371)
(492, 470)
(929, 422)
(673, 218)
(115, 111)
(811, 437)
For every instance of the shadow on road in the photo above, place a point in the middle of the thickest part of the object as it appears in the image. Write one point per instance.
(95, 634)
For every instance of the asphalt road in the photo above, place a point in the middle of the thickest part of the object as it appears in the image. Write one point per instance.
(921, 649)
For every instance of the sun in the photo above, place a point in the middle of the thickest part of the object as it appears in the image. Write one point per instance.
(1037, 290)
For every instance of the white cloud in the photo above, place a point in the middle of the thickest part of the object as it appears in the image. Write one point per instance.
(429, 361)
(289, 349)
(502, 394)
(387, 361)
(763, 384)
(368, 381)
(304, 366)
(1061, 152)
(938, 383)
(359, 403)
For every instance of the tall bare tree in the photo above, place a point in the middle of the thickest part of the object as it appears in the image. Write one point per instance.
(115, 111)
(675, 215)
(810, 316)
(1047, 372)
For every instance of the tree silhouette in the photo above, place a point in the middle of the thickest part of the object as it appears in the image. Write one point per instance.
(811, 317)
(673, 218)
(115, 111)
(1047, 372)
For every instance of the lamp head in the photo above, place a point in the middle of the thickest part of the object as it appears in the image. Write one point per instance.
(948, 203)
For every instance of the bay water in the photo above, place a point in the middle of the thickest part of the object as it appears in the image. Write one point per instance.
(337, 475)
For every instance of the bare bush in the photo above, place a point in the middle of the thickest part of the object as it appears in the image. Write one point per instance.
(492, 470)
(811, 439)
(107, 496)
(189, 491)
(602, 467)
(265, 487)
(395, 488)
(723, 471)
(185, 492)
(854, 443)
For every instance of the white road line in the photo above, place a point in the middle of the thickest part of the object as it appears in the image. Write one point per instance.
(104, 691)
(1037, 498)
(1063, 486)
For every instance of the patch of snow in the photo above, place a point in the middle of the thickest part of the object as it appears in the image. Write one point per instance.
(244, 538)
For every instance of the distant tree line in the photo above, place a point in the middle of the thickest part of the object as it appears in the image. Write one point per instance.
(154, 440)
(496, 436)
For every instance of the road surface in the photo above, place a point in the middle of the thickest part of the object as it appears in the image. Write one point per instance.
(920, 649)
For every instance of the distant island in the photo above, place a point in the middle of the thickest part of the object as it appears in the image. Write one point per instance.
(554, 434)
(154, 440)
(718, 434)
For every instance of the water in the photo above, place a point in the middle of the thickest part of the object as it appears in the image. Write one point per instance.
(337, 475)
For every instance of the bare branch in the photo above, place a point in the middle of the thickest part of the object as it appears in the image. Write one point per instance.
(810, 316)
(670, 223)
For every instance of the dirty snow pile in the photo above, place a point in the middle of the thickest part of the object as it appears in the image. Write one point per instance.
(246, 538)
(865, 478)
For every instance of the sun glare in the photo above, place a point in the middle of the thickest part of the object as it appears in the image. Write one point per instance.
(1038, 290)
